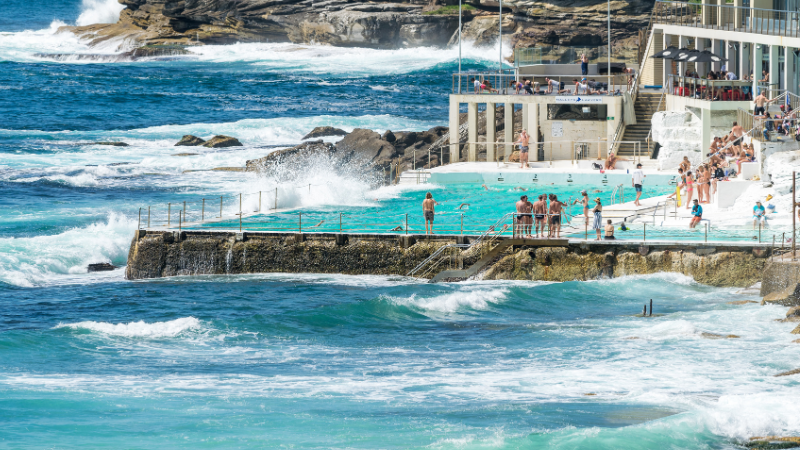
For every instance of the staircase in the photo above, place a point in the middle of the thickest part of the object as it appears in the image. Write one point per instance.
(647, 104)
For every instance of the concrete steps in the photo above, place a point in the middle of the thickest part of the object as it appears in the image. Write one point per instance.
(646, 105)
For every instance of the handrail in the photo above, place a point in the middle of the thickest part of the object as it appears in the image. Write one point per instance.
(650, 133)
(728, 17)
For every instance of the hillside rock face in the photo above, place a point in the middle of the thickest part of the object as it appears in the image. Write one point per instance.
(376, 24)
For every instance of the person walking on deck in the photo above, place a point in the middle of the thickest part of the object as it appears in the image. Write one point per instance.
(636, 181)
(597, 224)
(428, 210)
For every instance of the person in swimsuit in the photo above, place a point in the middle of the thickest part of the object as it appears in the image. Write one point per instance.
(598, 217)
(681, 184)
(523, 141)
(428, 210)
(697, 214)
(759, 214)
(609, 231)
(523, 216)
(685, 164)
(555, 216)
(585, 203)
(539, 211)
(689, 188)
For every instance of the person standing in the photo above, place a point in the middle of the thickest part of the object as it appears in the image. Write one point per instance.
(597, 224)
(697, 214)
(636, 181)
(584, 201)
(524, 220)
(428, 210)
(556, 208)
(523, 142)
(689, 188)
(584, 64)
(539, 213)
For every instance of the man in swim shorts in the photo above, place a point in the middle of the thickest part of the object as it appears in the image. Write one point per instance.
(524, 221)
(539, 210)
(523, 141)
(555, 216)
(428, 210)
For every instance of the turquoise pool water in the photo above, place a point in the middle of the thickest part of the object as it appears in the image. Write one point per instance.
(462, 209)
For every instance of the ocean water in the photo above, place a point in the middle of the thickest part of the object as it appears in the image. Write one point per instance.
(308, 360)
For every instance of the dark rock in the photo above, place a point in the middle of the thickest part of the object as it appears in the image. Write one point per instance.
(389, 137)
(190, 141)
(794, 311)
(324, 131)
(113, 144)
(101, 267)
(222, 141)
(367, 146)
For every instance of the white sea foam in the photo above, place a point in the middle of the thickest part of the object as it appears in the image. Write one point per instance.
(141, 328)
(459, 299)
(99, 11)
(38, 260)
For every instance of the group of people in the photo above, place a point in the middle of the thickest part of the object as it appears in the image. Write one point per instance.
(783, 123)
(718, 91)
(533, 219)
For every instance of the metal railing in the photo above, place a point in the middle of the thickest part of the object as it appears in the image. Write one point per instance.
(650, 133)
(710, 90)
(618, 192)
(728, 18)
(492, 83)
(558, 54)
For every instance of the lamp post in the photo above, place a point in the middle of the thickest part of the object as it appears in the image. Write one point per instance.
(609, 42)
(459, 46)
(500, 27)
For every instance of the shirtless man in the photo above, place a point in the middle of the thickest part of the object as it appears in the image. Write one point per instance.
(760, 102)
(523, 141)
(524, 220)
(539, 211)
(737, 131)
(428, 211)
(555, 216)
(584, 64)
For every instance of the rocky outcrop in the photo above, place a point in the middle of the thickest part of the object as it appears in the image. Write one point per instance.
(324, 131)
(290, 156)
(376, 24)
(113, 144)
(222, 141)
(190, 141)
(100, 267)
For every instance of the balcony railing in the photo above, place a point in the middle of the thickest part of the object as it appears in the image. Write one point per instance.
(501, 84)
(728, 18)
(555, 54)
(711, 90)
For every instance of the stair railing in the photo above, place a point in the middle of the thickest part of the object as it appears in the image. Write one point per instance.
(650, 133)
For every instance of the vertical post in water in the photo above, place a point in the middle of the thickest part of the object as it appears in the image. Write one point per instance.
(651, 306)
(148, 216)
(276, 199)
(644, 311)
(462, 223)
(259, 201)
(759, 231)
(169, 213)
(139, 225)
(220, 207)
(644, 233)
(240, 209)
(184, 208)
(203, 212)
(794, 216)
(340, 222)
(706, 232)
(309, 188)
(586, 229)
(300, 221)
(180, 220)
(407, 223)
(240, 222)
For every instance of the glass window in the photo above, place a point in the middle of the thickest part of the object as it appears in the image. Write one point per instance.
(577, 112)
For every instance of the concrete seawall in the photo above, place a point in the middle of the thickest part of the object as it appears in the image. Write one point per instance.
(155, 254)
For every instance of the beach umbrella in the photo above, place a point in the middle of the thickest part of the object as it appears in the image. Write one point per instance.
(704, 57)
(682, 55)
(667, 53)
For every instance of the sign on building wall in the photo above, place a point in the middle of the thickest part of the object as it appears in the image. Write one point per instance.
(558, 129)
(579, 100)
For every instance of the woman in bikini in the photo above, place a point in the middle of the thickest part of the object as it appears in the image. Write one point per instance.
(585, 202)
(689, 188)
(681, 184)
(699, 183)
